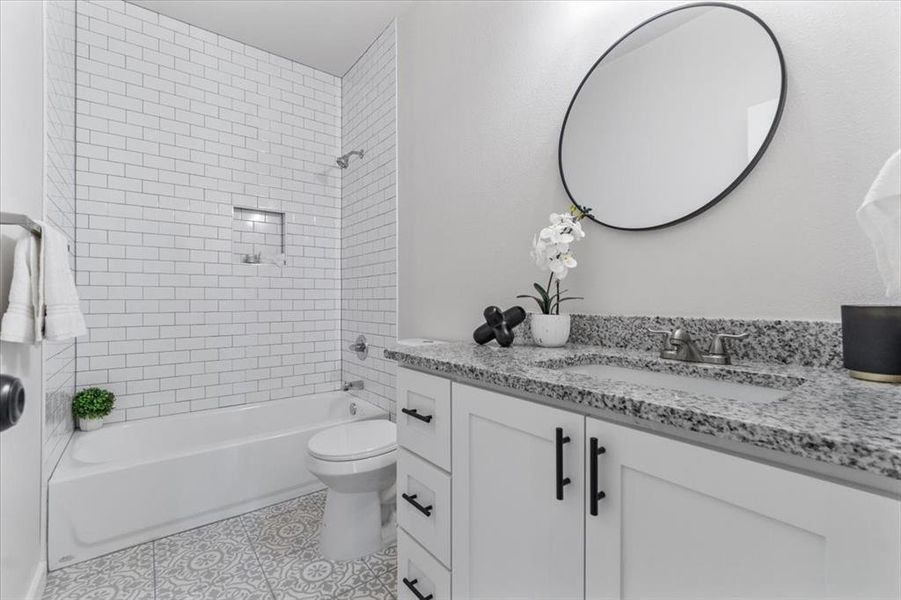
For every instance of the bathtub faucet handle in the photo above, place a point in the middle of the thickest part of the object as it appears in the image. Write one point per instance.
(361, 347)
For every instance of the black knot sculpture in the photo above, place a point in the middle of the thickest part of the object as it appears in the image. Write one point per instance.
(499, 325)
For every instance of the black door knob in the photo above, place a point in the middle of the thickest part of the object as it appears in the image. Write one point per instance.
(12, 401)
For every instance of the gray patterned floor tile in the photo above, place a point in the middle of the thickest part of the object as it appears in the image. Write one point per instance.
(209, 563)
(304, 574)
(389, 580)
(272, 550)
(288, 525)
(371, 590)
(383, 560)
(123, 575)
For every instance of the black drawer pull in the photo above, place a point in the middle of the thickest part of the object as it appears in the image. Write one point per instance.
(426, 510)
(412, 586)
(415, 414)
(594, 451)
(560, 439)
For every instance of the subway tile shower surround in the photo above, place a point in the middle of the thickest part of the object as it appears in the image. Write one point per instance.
(368, 219)
(176, 126)
(59, 192)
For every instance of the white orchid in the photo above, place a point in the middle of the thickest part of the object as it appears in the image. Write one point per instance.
(576, 230)
(551, 252)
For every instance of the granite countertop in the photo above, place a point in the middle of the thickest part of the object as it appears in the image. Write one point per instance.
(825, 416)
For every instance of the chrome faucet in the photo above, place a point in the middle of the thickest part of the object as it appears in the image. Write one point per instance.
(679, 345)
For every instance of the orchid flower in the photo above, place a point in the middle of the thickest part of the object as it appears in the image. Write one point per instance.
(551, 252)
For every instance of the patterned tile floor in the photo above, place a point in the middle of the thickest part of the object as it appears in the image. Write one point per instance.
(264, 555)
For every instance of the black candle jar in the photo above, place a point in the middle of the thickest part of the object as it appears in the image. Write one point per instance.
(871, 342)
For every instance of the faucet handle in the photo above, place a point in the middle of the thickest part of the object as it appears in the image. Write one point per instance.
(718, 346)
(668, 341)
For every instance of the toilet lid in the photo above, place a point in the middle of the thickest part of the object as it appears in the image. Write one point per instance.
(352, 441)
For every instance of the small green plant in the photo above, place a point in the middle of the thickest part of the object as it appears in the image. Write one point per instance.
(93, 403)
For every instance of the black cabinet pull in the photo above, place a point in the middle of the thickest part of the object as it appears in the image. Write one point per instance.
(415, 414)
(560, 439)
(594, 451)
(412, 587)
(426, 510)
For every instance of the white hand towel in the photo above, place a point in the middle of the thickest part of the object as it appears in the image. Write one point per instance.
(63, 315)
(880, 218)
(21, 322)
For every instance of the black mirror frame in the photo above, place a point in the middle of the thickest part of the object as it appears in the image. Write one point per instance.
(745, 171)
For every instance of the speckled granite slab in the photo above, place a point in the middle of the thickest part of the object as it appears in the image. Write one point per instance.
(804, 343)
(825, 415)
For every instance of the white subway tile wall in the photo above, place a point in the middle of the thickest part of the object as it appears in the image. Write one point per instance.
(176, 126)
(59, 192)
(369, 218)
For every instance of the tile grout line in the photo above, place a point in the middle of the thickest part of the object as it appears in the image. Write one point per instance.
(378, 579)
(256, 556)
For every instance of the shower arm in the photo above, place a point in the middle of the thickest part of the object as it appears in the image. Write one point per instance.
(344, 160)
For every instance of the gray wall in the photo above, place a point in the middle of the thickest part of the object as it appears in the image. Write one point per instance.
(482, 90)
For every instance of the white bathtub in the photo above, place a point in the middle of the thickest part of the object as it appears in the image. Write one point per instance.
(132, 482)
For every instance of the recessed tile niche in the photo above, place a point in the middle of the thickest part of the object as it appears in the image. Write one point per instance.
(258, 236)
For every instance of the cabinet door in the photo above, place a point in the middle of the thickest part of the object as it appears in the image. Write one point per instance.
(680, 521)
(512, 536)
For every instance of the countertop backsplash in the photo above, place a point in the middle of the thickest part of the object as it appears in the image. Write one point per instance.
(788, 342)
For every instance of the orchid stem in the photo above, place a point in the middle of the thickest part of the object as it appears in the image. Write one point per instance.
(558, 296)
(550, 280)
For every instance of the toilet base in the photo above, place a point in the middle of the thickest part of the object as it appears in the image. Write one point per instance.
(352, 526)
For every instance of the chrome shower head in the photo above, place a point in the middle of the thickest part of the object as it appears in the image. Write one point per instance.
(344, 160)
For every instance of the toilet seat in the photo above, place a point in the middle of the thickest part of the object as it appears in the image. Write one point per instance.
(354, 441)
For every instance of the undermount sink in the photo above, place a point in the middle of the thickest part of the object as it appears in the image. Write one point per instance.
(741, 392)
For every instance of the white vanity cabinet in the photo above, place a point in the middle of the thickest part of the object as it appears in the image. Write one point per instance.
(423, 486)
(681, 521)
(518, 517)
(672, 519)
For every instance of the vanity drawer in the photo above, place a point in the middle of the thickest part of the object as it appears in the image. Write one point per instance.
(424, 416)
(423, 503)
(418, 569)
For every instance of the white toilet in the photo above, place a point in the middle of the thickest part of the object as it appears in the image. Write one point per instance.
(358, 463)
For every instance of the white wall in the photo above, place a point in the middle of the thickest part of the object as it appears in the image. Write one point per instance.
(21, 189)
(176, 126)
(369, 218)
(482, 90)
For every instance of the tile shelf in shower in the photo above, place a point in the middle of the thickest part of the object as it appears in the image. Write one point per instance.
(258, 236)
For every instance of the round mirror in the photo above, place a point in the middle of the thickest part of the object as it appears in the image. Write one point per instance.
(672, 117)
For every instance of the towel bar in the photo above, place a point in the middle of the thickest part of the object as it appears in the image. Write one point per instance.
(24, 221)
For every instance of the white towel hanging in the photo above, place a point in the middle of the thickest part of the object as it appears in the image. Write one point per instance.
(43, 301)
(62, 317)
(21, 322)
(880, 218)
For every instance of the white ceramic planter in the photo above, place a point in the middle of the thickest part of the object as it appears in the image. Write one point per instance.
(550, 331)
(90, 424)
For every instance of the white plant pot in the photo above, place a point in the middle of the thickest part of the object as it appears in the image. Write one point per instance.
(550, 331)
(90, 424)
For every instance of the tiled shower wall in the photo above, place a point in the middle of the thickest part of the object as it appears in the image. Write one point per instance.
(368, 218)
(176, 126)
(59, 192)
